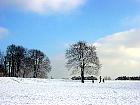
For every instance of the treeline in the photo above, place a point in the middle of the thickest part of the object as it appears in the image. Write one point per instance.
(107, 78)
(128, 78)
(85, 78)
(18, 61)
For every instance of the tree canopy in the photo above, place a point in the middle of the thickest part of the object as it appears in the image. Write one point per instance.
(83, 57)
(21, 62)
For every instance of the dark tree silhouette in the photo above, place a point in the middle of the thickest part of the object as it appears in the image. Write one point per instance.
(2, 66)
(27, 66)
(83, 56)
(10, 54)
(21, 62)
(100, 79)
(15, 55)
(128, 78)
(20, 55)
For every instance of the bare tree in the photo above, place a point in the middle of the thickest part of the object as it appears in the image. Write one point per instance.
(41, 63)
(83, 56)
(21, 62)
(10, 54)
(2, 66)
(15, 55)
(45, 68)
(1, 57)
(27, 66)
(20, 55)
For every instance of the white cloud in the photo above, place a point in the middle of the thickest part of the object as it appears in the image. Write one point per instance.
(59, 70)
(43, 6)
(120, 53)
(3, 32)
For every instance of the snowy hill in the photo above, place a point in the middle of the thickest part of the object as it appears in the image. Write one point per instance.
(19, 91)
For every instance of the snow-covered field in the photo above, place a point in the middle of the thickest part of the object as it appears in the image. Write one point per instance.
(18, 91)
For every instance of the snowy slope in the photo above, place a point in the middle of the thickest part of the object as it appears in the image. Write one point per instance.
(18, 91)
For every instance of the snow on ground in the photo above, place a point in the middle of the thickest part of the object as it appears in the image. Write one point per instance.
(19, 91)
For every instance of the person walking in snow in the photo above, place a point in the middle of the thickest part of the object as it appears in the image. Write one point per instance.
(103, 80)
(92, 80)
(100, 79)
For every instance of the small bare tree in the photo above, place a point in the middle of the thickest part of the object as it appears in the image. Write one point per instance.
(83, 56)
(41, 63)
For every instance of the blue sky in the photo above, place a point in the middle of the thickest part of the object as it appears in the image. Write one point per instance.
(51, 32)
(52, 25)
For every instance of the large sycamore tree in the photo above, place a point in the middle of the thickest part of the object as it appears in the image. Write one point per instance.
(83, 57)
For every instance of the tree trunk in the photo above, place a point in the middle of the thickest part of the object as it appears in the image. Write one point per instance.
(9, 68)
(24, 74)
(13, 67)
(35, 73)
(5, 67)
(82, 75)
(12, 70)
(18, 66)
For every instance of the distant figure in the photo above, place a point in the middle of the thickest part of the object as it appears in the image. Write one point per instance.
(92, 80)
(103, 80)
(100, 79)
